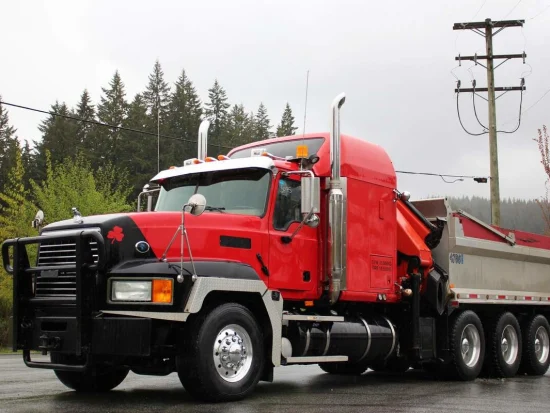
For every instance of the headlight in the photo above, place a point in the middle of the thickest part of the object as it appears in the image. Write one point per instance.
(131, 291)
(153, 291)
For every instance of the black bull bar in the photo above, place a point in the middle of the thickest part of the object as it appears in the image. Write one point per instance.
(23, 298)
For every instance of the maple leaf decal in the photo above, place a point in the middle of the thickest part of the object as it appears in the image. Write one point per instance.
(115, 234)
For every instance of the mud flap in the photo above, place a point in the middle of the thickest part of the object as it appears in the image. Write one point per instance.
(435, 289)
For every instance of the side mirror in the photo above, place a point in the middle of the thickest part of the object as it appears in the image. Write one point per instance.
(196, 204)
(311, 195)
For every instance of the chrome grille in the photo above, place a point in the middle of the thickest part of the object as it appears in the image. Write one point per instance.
(58, 283)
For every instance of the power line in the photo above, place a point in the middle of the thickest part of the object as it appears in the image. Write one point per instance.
(498, 131)
(460, 120)
(513, 8)
(539, 13)
(542, 97)
(102, 124)
(478, 179)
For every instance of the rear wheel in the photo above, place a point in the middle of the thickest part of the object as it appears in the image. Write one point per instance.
(504, 347)
(223, 356)
(97, 378)
(536, 346)
(467, 346)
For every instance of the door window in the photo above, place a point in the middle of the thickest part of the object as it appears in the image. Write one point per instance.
(288, 207)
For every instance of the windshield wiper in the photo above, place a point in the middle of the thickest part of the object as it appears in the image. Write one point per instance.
(213, 208)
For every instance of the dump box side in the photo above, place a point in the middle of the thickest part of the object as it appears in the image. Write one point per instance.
(487, 264)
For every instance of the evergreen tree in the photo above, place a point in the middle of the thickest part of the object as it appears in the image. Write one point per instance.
(8, 146)
(262, 126)
(27, 157)
(136, 148)
(185, 112)
(84, 131)
(58, 137)
(286, 127)
(156, 97)
(16, 214)
(111, 110)
(239, 127)
(216, 110)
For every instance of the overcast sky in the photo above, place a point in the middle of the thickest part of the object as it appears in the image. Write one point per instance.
(392, 59)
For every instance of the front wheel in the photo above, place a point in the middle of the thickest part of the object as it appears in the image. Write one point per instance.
(96, 379)
(467, 346)
(223, 356)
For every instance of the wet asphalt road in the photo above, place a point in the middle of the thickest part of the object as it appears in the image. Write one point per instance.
(300, 389)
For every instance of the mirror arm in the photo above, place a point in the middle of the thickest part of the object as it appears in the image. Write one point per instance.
(288, 239)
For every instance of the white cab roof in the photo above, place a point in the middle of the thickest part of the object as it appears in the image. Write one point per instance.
(262, 162)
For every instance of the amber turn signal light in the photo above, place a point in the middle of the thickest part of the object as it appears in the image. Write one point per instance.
(162, 291)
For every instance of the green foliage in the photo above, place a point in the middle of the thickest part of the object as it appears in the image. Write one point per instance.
(262, 125)
(84, 130)
(286, 127)
(216, 110)
(240, 126)
(8, 146)
(112, 110)
(185, 119)
(141, 165)
(59, 137)
(73, 184)
(16, 214)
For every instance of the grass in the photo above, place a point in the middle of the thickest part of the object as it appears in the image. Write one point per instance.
(8, 350)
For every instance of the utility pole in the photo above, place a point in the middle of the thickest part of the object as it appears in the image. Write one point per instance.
(485, 29)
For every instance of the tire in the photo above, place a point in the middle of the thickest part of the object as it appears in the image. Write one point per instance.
(504, 346)
(348, 369)
(96, 379)
(466, 333)
(201, 366)
(536, 346)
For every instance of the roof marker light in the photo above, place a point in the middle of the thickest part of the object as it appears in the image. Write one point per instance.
(192, 161)
(258, 151)
(210, 159)
(223, 158)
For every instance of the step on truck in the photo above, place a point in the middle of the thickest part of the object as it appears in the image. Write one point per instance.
(294, 250)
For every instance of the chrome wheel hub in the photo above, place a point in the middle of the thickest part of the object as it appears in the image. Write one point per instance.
(542, 345)
(232, 353)
(509, 345)
(470, 345)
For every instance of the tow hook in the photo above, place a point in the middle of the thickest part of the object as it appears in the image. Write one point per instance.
(49, 343)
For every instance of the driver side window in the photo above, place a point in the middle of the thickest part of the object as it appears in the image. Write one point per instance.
(288, 204)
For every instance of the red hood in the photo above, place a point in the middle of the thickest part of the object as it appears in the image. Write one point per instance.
(212, 236)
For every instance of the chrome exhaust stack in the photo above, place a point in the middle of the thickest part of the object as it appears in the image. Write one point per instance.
(337, 206)
(203, 139)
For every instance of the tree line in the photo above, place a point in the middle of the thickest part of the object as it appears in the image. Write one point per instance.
(173, 111)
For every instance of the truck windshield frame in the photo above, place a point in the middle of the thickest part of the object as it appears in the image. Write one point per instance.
(242, 191)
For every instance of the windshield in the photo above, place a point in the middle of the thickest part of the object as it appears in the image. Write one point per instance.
(283, 149)
(236, 191)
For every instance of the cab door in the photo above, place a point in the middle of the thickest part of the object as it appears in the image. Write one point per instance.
(294, 266)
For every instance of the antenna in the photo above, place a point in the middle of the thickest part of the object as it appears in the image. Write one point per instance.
(305, 106)
(158, 134)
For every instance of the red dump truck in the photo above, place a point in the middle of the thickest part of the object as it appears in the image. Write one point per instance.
(294, 250)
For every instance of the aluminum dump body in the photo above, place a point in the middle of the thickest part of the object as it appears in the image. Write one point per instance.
(487, 264)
